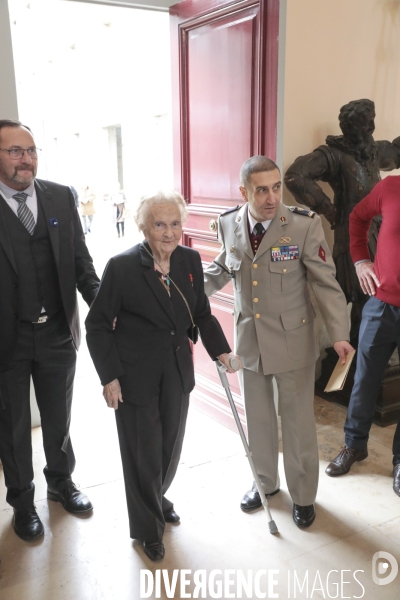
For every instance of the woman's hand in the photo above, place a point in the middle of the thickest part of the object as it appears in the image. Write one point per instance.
(225, 358)
(112, 394)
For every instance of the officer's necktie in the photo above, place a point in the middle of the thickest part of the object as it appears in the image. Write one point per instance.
(24, 213)
(258, 229)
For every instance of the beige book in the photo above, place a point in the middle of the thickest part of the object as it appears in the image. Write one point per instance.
(337, 379)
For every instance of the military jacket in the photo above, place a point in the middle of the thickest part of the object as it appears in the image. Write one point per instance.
(273, 313)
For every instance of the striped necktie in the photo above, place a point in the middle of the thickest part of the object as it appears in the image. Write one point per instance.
(24, 213)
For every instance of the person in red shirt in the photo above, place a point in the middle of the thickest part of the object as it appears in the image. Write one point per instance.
(380, 325)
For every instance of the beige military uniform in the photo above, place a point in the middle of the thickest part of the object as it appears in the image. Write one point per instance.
(275, 335)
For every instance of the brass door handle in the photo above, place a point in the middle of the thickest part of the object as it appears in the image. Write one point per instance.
(213, 225)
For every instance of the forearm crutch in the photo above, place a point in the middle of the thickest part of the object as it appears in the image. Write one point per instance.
(224, 380)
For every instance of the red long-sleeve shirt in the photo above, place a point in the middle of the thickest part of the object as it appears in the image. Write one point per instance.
(383, 200)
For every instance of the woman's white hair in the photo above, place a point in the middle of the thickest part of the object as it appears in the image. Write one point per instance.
(160, 197)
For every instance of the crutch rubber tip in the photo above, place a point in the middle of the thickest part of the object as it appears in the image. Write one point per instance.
(272, 527)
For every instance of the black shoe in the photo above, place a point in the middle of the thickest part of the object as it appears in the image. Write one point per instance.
(154, 550)
(70, 497)
(303, 516)
(396, 479)
(27, 524)
(251, 500)
(342, 463)
(170, 516)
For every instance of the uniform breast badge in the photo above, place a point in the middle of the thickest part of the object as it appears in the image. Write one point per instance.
(284, 253)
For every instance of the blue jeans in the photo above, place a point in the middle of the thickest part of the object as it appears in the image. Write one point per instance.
(378, 338)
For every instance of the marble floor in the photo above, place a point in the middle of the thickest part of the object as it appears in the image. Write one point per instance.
(93, 558)
(216, 543)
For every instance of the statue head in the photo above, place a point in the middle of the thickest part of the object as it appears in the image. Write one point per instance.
(357, 121)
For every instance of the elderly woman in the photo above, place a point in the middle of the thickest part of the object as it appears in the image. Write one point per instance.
(156, 292)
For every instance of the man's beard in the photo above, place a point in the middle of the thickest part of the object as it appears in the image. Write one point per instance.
(24, 179)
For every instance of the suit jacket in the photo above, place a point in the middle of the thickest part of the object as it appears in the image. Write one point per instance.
(149, 323)
(274, 317)
(73, 261)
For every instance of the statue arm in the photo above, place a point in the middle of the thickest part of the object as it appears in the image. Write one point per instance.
(301, 178)
(389, 154)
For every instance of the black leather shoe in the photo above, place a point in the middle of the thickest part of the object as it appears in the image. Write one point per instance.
(70, 497)
(396, 479)
(344, 460)
(154, 550)
(27, 524)
(251, 500)
(170, 516)
(303, 516)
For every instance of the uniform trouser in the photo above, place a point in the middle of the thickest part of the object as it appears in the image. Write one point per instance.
(379, 336)
(46, 352)
(151, 438)
(299, 438)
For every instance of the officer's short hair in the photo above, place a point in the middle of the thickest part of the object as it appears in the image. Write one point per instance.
(255, 164)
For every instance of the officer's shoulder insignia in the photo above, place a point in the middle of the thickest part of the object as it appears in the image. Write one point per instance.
(302, 211)
(231, 210)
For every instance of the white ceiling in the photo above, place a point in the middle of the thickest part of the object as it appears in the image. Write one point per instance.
(161, 5)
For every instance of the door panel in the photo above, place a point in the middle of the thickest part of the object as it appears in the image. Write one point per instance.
(224, 58)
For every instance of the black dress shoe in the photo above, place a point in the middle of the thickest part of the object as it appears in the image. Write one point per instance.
(251, 500)
(154, 550)
(27, 524)
(170, 516)
(344, 460)
(70, 497)
(396, 479)
(303, 516)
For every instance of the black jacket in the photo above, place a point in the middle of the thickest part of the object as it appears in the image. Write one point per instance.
(73, 262)
(149, 323)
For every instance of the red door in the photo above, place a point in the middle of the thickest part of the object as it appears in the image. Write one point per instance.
(225, 59)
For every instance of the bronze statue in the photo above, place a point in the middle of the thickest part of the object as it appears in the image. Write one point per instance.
(351, 164)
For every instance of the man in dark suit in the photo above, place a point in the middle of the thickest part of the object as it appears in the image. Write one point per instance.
(43, 259)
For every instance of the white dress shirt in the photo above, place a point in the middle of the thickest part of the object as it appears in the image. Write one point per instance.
(253, 222)
(31, 200)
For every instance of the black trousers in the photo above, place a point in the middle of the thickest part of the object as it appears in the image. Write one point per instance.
(150, 439)
(378, 338)
(46, 352)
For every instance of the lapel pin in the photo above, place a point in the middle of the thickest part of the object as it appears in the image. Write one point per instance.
(54, 222)
(282, 219)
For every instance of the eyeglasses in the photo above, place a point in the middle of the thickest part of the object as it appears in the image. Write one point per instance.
(19, 152)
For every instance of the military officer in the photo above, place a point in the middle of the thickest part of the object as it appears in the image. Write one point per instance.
(272, 252)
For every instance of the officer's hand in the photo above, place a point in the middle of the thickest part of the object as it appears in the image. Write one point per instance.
(367, 278)
(343, 349)
(112, 394)
(225, 360)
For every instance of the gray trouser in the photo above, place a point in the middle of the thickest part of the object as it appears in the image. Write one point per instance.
(299, 438)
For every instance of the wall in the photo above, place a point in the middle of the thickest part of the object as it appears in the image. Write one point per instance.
(8, 92)
(331, 52)
(336, 51)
